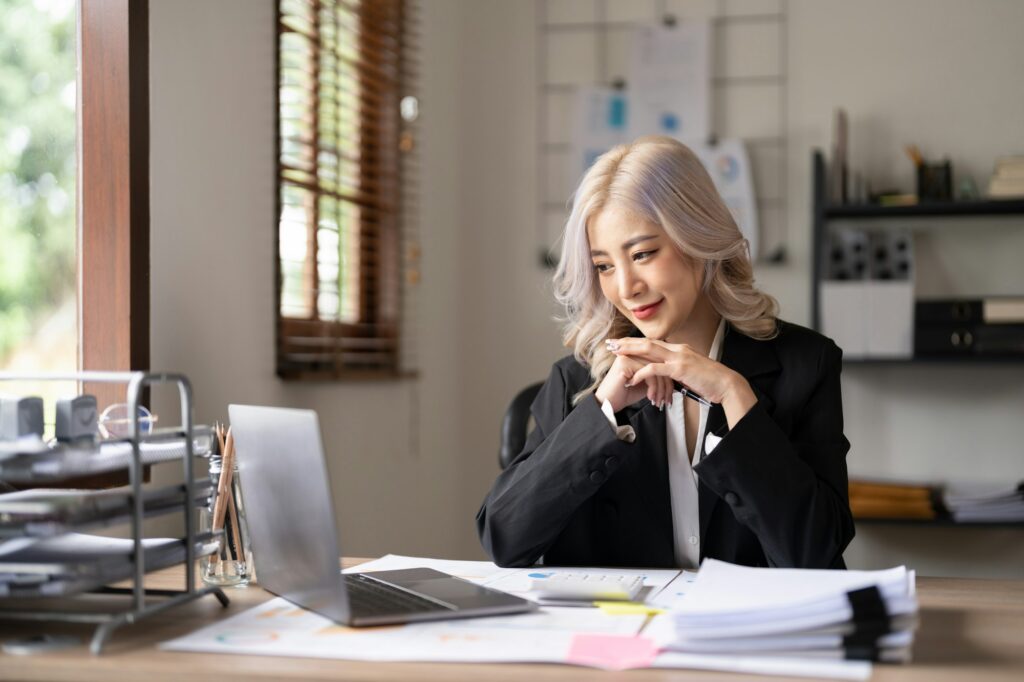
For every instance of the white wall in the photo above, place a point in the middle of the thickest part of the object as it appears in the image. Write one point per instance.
(945, 76)
(213, 229)
(941, 74)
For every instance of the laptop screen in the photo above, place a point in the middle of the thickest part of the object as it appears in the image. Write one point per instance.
(287, 497)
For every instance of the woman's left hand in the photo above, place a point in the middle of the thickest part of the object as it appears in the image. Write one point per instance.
(697, 372)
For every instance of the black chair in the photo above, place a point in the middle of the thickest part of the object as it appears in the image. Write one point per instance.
(514, 427)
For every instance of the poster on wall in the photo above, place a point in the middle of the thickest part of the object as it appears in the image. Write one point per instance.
(599, 123)
(670, 81)
(729, 166)
(668, 93)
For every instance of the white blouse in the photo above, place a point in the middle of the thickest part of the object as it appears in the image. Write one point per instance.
(682, 479)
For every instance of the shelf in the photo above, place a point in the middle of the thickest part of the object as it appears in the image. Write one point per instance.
(981, 207)
(824, 212)
(939, 360)
(938, 523)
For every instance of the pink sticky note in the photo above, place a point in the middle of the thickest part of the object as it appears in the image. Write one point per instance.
(612, 652)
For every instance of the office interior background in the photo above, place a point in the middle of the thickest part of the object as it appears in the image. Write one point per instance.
(410, 460)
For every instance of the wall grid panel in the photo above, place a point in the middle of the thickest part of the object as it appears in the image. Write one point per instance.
(588, 42)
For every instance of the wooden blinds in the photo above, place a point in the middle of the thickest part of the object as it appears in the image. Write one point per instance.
(346, 249)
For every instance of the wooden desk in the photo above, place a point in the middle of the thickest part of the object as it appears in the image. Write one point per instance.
(970, 630)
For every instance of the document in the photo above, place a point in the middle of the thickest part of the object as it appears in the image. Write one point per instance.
(729, 166)
(278, 628)
(479, 572)
(794, 613)
(517, 581)
(576, 636)
(599, 122)
(974, 502)
(670, 82)
(672, 595)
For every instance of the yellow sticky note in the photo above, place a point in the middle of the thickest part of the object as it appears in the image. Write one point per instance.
(627, 608)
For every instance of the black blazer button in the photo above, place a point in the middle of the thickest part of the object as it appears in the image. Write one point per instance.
(596, 476)
(731, 498)
(609, 462)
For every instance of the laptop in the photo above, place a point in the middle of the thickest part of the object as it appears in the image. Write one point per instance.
(290, 515)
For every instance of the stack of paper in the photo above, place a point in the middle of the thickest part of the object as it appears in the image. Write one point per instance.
(979, 502)
(797, 613)
(612, 639)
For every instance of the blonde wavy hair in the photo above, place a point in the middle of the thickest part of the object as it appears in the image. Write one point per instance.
(661, 180)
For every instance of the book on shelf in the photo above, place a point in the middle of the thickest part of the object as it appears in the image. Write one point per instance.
(1005, 188)
(989, 310)
(1003, 310)
(897, 500)
(1008, 178)
(868, 508)
(895, 491)
(959, 501)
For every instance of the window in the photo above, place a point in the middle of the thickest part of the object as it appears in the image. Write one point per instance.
(38, 321)
(346, 247)
(112, 138)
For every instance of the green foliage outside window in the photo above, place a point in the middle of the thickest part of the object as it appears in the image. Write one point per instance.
(37, 166)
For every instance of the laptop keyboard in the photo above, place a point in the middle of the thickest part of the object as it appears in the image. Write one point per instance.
(369, 597)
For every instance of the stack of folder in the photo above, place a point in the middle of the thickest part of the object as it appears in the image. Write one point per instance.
(985, 503)
(873, 500)
(797, 613)
(72, 563)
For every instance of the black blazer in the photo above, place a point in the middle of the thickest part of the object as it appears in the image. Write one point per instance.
(772, 493)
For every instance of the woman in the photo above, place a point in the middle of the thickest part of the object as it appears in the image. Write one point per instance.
(621, 470)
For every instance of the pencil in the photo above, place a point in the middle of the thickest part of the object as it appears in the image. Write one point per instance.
(219, 430)
(224, 481)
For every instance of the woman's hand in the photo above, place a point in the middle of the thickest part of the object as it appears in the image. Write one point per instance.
(699, 373)
(620, 388)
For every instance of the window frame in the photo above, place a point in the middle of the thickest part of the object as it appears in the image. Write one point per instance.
(380, 273)
(112, 202)
(113, 189)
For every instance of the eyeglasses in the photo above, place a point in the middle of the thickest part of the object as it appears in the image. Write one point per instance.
(116, 422)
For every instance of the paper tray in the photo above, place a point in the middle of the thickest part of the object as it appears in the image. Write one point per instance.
(63, 461)
(41, 512)
(75, 563)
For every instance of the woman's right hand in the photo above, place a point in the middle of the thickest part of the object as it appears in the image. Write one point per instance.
(616, 390)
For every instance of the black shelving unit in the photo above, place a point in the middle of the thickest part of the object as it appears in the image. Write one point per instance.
(823, 212)
(936, 523)
(941, 360)
(980, 207)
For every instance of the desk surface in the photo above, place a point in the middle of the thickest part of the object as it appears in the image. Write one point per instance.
(970, 630)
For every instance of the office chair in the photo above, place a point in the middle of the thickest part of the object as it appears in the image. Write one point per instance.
(514, 425)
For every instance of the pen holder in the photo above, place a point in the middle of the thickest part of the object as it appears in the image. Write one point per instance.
(935, 181)
(232, 563)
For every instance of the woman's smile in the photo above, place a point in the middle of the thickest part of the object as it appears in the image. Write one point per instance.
(647, 311)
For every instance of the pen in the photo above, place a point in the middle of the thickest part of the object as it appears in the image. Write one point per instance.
(687, 393)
